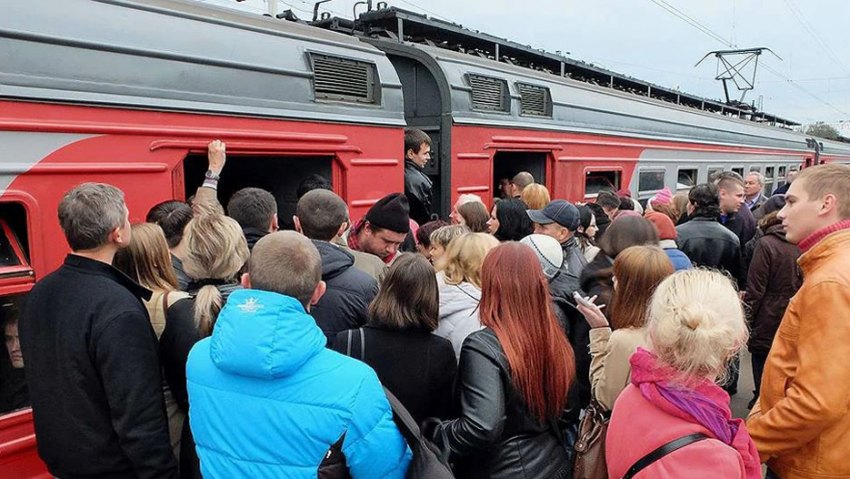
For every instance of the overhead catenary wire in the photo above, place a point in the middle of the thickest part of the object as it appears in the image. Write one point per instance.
(798, 14)
(707, 31)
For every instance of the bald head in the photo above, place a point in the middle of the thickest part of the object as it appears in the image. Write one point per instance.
(287, 263)
(522, 179)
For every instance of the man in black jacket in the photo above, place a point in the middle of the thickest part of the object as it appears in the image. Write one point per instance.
(734, 214)
(322, 216)
(91, 355)
(417, 186)
(703, 239)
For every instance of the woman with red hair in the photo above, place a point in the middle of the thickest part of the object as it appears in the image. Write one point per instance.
(515, 377)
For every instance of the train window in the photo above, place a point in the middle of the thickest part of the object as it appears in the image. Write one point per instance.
(341, 79)
(13, 387)
(713, 172)
(279, 175)
(782, 171)
(489, 94)
(757, 169)
(652, 180)
(596, 181)
(768, 172)
(687, 179)
(739, 170)
(534, 100)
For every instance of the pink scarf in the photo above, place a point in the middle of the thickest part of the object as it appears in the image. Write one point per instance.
(705, 404)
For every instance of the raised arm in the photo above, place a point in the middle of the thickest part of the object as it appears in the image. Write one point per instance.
(206, 198)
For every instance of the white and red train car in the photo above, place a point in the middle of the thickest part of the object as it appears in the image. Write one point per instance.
(129, 92)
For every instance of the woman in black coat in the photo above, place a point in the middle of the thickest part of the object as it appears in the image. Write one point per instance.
(417, 366)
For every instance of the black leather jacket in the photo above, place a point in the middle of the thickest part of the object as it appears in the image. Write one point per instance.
(417, 189)
(708, 243)
(496, 437)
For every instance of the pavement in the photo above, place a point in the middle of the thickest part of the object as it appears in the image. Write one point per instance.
(740, 401)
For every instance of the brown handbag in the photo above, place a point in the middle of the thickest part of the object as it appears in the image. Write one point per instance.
(589, 456)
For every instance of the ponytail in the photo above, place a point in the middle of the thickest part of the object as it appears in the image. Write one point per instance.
(208, 303)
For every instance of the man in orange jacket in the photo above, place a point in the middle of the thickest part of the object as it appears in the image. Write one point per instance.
(801, 425)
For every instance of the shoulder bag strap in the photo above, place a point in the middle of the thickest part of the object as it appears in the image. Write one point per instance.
(165, 303)
(362, 345)
(662, 451)
(348, 346)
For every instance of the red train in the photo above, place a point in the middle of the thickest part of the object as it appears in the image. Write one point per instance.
(130, 93)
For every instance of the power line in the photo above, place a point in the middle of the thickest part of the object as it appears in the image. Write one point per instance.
(699, 26)
(426, 11)
(691, 21)
(813, 33)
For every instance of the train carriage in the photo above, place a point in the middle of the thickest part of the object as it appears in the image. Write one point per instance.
(129, 92)
(495, 108)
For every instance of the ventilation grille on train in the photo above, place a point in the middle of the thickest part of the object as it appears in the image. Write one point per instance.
(490, 94)
(535, 100)
(341, 79)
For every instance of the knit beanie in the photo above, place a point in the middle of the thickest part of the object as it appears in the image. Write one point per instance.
(664, 197)
(548, 252)
(391, 212)
(663, 224)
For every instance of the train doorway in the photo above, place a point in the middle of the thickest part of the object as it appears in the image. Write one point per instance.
(423, 109)
(506, 164)
(279, 175)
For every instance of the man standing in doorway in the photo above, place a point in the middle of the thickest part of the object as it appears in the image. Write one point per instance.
(519, 182)
(417, 186)
(801, 421)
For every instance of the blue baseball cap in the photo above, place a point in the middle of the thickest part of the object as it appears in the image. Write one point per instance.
(558, 211)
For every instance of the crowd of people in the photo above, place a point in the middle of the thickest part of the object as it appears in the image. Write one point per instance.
(207, 342)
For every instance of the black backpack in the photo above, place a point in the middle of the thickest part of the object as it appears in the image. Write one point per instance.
(429, 461)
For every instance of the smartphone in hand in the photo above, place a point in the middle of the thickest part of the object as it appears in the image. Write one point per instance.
(581, 300)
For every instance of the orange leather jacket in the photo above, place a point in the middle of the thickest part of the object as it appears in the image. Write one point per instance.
(803, 427)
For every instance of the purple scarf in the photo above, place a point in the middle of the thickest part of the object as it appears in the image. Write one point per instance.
(703, 403)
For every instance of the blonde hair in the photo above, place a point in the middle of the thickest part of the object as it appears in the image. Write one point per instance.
(535, 196)
(464, 257)
(147, 259)
(444, 235)
(215, 249)
(696, 323)
(827, 179)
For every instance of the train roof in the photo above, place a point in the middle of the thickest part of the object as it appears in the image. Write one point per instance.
(189, 56)
(562, 93)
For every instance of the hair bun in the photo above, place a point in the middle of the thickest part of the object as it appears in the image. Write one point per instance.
(692, 316)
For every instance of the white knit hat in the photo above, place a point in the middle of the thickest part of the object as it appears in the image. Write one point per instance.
(548, 252)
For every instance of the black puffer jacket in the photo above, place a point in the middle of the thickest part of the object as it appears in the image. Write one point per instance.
(417, 188)
(774, 277)
(496, 437)
(562, 287)
(708, 243)
(345, 304)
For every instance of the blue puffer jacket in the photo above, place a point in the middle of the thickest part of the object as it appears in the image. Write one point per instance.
(679, 259)
(267, 399)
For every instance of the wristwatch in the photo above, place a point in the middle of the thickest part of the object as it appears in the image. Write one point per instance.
(212, 175)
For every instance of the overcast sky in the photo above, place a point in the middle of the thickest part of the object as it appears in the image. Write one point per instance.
(642, 39)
